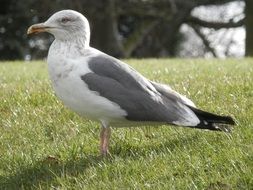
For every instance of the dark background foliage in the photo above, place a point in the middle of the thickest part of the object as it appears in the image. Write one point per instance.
(122, 28)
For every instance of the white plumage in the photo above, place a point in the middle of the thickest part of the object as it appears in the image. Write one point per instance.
(65, 74)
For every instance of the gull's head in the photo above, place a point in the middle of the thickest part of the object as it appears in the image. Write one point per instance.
(64, 25)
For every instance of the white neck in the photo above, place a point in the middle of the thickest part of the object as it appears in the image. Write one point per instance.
(70, 47)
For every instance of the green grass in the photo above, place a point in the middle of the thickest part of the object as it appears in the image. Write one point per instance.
(43, 145)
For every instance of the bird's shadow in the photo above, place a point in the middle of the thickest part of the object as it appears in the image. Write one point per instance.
(45, 172)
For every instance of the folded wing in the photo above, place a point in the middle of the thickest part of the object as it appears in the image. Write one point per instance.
(141, 99)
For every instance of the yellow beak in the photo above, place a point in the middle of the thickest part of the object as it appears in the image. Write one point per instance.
(37, 28)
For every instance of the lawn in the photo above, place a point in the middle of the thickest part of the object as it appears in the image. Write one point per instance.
(43, 145)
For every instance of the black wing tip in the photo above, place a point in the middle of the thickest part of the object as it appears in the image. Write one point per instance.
(224, 128)
(213, 118)
(229, 120)
(212, 121)
(224, 124)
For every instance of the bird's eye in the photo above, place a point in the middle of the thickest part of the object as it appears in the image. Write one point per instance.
(65, 19)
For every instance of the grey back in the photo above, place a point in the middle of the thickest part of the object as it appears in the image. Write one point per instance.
(127, 88)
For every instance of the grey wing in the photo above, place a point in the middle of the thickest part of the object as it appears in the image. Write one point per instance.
(166, 91)
(135, 94)
(131, 100)
(139, 105)
(107, 66)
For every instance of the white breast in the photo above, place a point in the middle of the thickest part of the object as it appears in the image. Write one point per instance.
(65, 73)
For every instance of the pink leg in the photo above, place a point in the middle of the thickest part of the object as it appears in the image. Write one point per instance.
(104, 140)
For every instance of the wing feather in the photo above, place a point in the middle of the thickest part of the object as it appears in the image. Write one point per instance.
(141, 99)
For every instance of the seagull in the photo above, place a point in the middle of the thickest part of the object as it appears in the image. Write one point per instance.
(102, 88)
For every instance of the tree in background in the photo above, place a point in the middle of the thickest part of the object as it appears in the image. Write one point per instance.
(249, 27)
(13, 23)
(122, 28)
(216, 32)
(164, 21)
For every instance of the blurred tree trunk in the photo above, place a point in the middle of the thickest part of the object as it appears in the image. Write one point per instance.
(249, 27)
(104, 29)
(162, 41)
